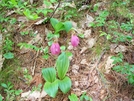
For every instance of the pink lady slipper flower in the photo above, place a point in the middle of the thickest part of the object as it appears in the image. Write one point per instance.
(74, 40)
(55, 48)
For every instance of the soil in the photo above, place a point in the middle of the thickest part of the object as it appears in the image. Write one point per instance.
(87, 69)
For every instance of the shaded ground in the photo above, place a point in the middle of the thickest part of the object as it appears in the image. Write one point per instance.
(87, 68)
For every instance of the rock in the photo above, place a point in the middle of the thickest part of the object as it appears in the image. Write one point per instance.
(85, 22)
(109, 64)
(33, 95)
(87, 33)
(75, 69)
(91, 42)
(117, 48)
(83, 50)
(84, 62)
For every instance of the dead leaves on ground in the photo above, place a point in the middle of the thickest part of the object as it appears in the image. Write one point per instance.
(37, 79)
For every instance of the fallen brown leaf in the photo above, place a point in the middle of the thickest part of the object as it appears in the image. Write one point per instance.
(37, 79)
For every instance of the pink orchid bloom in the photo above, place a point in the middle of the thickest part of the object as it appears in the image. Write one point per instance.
(74, 40)
(55, 48)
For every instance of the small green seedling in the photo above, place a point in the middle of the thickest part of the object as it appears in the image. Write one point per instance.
(108, 36)
(73, 97)
(46, 53)
(27, 76)
(84, 97)
(10, 92)
(123, 67)
(7, 48)
(30, 15)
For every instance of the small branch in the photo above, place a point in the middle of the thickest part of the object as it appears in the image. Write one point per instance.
(33, 69)
(53, 12)
(55, 9)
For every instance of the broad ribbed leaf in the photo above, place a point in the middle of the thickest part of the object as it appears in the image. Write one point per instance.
(65, 84)
(53, 22)
(62, 65)
(68, 26)
(49, 74)
(51, 88)
(59, 27)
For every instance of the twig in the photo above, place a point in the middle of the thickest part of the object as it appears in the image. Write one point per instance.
(53, 12)
(98, 61)
(55, 9)
(33, 69)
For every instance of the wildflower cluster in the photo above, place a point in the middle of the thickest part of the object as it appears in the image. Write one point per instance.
(55, 47)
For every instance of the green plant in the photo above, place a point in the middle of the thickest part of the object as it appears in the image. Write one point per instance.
(83, 97)
(108, 36)
(60, 26)
(7, 48)
(38, 88)
(52, 82)
(70, 12)
(29, 46)
(27, 76)
(101, 19)
(73, 97)
(10, 92)
(30, 15)
(1, 97)
(24, 33)
(46, 52)
(128, 26)
(51, 85)
(123, 67)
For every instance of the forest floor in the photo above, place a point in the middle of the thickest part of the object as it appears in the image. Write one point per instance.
(90, 66)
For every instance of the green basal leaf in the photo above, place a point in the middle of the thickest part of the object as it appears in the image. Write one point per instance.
(49, 74)
(73, 97)
(9, 55)
(65, 84)
(62, 65)
(51, 88)
(68, 26)
(53, 22)
(59, 27)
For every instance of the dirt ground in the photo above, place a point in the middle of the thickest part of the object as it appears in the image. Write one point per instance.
(87, 68)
